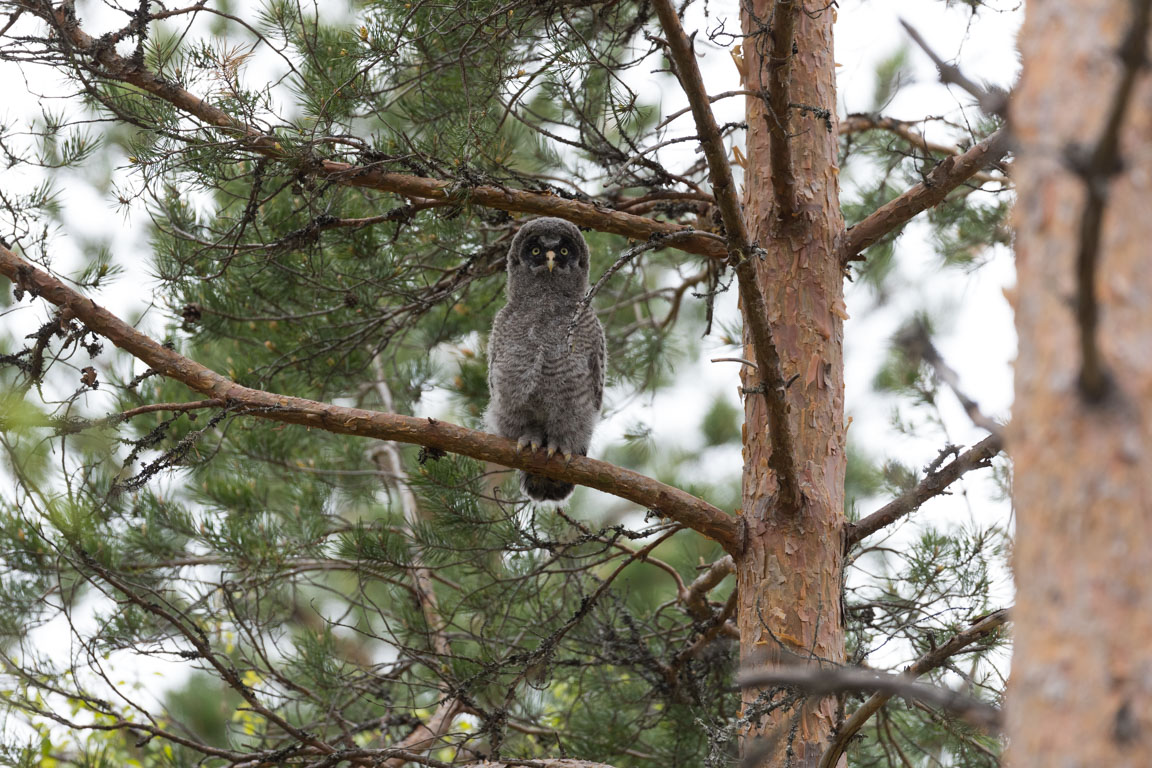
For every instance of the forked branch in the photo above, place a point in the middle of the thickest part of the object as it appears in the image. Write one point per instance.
(664, 499)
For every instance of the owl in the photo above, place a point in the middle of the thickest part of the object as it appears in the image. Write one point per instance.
(544, 391)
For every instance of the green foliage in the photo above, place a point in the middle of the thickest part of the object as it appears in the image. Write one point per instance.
(721, 423)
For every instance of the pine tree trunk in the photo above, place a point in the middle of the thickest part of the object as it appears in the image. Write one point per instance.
(789, 576)
(1081, 687)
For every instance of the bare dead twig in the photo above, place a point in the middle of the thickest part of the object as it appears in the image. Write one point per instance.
(655, 241)
(740, 360)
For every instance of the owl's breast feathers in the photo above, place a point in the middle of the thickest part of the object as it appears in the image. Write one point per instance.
(535, 364)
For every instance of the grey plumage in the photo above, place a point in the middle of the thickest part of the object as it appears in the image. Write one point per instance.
(543, 393)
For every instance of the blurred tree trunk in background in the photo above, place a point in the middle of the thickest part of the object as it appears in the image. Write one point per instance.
(1081, 688)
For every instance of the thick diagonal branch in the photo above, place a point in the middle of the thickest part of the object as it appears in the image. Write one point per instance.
(740, 251)
(664, 499)
(933, 484)
(950, 173)
(925, 663)
(370, 176)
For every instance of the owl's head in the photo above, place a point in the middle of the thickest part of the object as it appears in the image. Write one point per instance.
(551, 255)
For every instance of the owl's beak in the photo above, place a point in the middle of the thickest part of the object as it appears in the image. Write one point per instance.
(551, 255)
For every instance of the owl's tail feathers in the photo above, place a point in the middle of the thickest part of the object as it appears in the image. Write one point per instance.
(545, 488)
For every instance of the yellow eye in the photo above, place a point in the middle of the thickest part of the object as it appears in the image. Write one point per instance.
(535, 251)
(563, 251)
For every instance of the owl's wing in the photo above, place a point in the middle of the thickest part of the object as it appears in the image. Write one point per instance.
(596, 359)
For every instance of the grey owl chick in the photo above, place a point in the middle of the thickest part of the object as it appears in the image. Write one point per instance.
(543, 394)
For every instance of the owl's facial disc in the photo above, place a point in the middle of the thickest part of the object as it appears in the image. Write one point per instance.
(551, 252)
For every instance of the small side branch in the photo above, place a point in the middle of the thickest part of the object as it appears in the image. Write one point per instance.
(71, 426)
(933, 484)
(740, 252)
(1097, 169)
(945, 177)
(694, 597)
(861, 122)
(929, 661)
(666, 500)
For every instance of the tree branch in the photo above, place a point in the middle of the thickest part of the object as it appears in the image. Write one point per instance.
(694, 597)
(369, 176)
(993, 101)
(783, 32)
(925, 663)
(740, 253)
(387, 458)
(948, 174)
(818, 681)
(72, 425)
(933, 484)
(861, 122)
(196, 637)
(671, 502)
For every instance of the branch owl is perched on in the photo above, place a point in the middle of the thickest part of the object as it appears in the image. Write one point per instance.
(543, 393)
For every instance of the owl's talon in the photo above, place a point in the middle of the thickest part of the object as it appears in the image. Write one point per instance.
(535, 446)
(551, 451)
(521, 444)
(567, 458)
